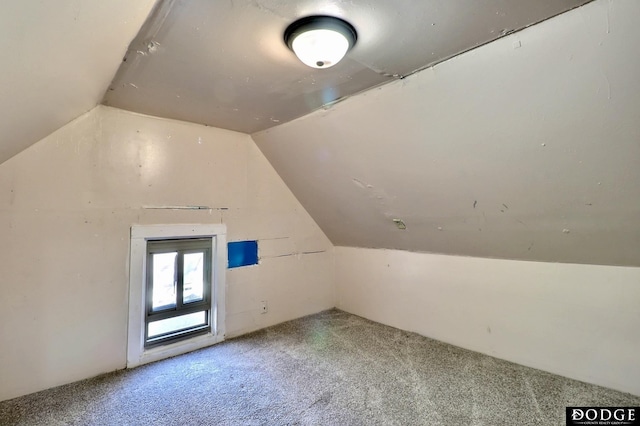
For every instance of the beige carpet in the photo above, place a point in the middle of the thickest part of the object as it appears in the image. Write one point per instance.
(332, 368)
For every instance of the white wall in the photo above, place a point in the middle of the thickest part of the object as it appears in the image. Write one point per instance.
(67, 204)
(578, 321)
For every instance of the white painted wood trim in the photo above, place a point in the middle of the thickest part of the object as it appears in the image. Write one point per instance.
(140, 234)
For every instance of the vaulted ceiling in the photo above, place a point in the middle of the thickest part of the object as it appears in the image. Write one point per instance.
(225, 64)
(527, 148)
(220, 63)
(58, 58)
(524, 148)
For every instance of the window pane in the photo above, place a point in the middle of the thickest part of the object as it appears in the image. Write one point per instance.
(175, 324)
(193, 277)
(164, 280)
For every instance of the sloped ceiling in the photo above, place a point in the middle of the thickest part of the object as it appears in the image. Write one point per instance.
(58, 58)
(527, 148)
(225, 63)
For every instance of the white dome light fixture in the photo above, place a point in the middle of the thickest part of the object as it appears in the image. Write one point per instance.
(320, 41)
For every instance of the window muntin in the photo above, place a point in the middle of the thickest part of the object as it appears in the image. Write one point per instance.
(178, 299)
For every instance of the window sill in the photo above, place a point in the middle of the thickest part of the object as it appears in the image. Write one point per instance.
(173, 349)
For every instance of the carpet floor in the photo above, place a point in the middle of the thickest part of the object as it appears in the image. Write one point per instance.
(332, 368)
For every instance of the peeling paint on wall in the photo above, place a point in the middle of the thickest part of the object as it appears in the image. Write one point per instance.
(184, 208)
(296, 254)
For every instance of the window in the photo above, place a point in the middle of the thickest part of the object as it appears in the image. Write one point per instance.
(176, 290)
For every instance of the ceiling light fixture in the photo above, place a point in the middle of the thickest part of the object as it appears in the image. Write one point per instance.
(320, 41)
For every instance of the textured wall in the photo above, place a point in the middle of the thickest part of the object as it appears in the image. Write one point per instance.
(67, 204)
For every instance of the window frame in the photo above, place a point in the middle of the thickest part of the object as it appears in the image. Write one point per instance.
(181, 247)
(137, 352)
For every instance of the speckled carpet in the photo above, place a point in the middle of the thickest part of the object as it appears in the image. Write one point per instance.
(332, 368)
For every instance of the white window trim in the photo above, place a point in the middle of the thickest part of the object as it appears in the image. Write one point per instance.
(140, 234)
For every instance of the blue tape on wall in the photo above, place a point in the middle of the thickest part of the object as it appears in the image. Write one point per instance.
(242, 253)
